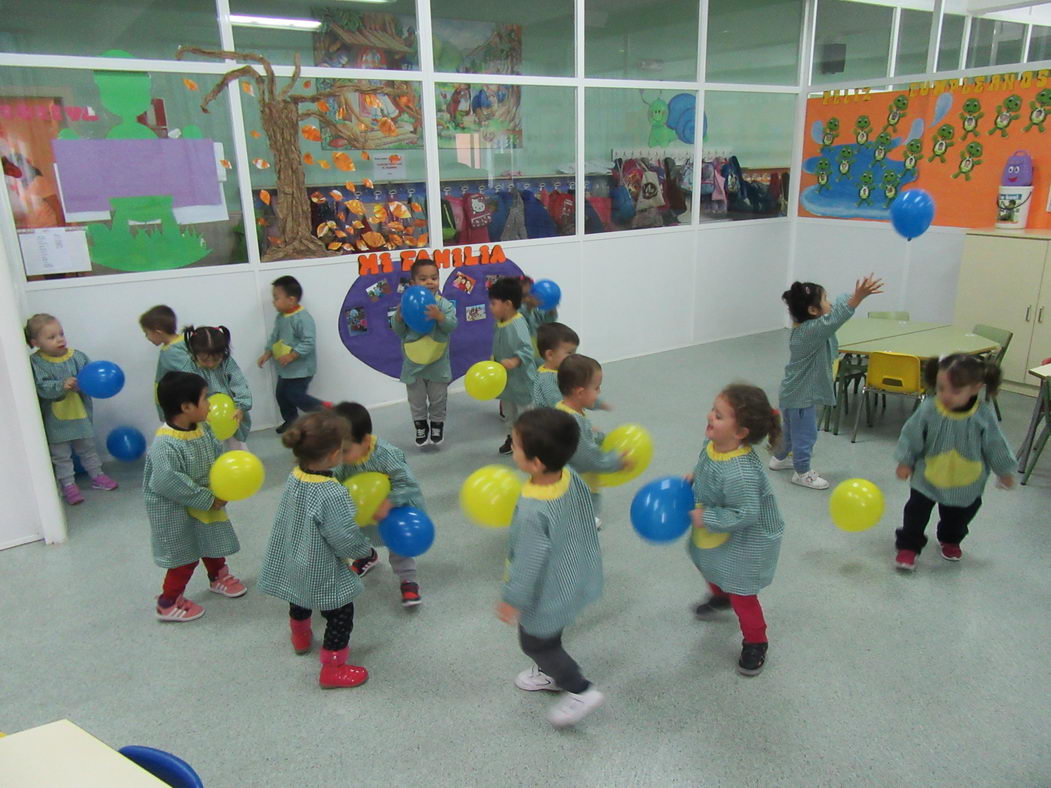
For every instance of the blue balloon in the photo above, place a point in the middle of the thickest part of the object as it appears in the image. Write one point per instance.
(547, 293)
(414, 303)
(912, 213)
(100, 379)
(407, 531)
(126, 443)
(660, 511)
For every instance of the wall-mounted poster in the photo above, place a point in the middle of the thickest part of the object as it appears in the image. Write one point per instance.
(474, 116)
(368, 115)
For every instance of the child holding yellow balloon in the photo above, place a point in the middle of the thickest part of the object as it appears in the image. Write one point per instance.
(364, 453)
(209, 348)
(188, 523)
(737, 529)
(513, 349)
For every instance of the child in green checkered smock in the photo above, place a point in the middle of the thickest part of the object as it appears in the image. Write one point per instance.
(579, 381)
(808, 383)
(315, 534)
(555, 341)
(210, 353)
(737, 530)
(947, 448)
(425, 368)
(188, 523)
(65, 409)
(534, 315)
(158, 324)
(513, 349)
(364, 452)
(554, 563)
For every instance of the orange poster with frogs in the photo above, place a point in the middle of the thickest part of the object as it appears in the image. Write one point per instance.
(960, 140)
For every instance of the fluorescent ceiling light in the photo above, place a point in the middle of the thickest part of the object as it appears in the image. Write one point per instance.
(278, 22)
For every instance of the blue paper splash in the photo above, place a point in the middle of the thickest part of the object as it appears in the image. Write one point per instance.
(840, 199)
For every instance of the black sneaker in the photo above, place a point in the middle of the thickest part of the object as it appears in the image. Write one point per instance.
(711, 606)
(753, 657)
(506, 448)
(437, 432)
(283, 427)
(410, 594)
(363, 565)
(421, 433)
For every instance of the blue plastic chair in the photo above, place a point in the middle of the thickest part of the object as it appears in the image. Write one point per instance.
(164, 766)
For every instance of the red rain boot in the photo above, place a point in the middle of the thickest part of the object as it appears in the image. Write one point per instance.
(335, 672)
(302, 635)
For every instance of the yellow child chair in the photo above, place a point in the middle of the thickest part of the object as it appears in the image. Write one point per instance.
(890, 373)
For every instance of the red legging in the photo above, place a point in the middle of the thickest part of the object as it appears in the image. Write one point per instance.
(178, 576)
(749, 614)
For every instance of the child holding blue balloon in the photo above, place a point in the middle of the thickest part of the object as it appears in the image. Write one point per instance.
(554, 563)
(188, 523)
(425, 368)
(808, 380)
(364, 452)
(209, 348)
(513, 349)
(65, 408)
(737, 529)
(315, 532)
(539, 305)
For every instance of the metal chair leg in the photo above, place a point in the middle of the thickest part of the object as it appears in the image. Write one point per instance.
(1035, 455)
(863, 405)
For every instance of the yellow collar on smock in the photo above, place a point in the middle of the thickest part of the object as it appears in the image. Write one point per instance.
(957, 414)
(57, 359)
(547, 492)
(502, 323)
(306, 476)
(183, 435)
(722, 456)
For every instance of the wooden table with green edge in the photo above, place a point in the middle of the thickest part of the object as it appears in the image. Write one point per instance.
(867, 329)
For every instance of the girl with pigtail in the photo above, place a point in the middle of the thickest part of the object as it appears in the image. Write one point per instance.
(209, 348)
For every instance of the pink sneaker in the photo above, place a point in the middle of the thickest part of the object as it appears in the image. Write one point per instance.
(72, 494)
(906, 560)
(951, 552)
(182, 610)
(227, 585)
(103, 482)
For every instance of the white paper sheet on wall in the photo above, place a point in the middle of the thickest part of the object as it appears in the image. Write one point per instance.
(54, 250)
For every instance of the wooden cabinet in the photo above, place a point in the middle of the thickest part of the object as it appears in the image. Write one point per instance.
(1005, 281)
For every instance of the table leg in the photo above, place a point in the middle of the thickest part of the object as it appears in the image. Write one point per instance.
(1034, 423)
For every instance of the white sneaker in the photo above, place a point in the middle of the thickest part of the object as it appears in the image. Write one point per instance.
(598, 524)
(810, 479)
(781, 465)
(535, 679)
(574, 707)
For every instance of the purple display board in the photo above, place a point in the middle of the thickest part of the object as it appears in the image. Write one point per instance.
(368, 309)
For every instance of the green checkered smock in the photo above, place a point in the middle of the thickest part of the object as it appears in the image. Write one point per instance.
(554, 560)
(173, 357)
(737, 499)
(437, 341)
(67, 414)
(589, 459)
(511, 340)
(183, 528)
(314, 531)
(812, 347)
(545, 388)
(297, 331)
(228, 379)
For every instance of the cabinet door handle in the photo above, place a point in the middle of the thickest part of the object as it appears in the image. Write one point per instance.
(1028, 310)
(1040, 315)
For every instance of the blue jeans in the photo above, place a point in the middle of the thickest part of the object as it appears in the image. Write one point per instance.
(292, 397)
(800, 435)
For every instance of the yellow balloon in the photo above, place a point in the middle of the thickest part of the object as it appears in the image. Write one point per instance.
(485, 380)
(704, 539)
(221, 416)
(636, 442)
(489, 496)
(236, 475)
(368, 490)
(856, 505)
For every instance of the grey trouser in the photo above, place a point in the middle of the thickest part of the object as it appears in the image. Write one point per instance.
(62, 459)
(512, 410)
(404, 568)
(422, 391)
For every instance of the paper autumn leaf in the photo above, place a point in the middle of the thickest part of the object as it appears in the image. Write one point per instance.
(308, 158)
(368, 183)
(190, 84)
(255, 134)
(312, 133)
(386, 125)
(343, 161)
(356, 206)
(323, 163)
(247, 88)
(317, 198)
(365, 156)
(417, 207)
(400, 210)
(322, 105)
(371, 100)
(334, 246)
(350, 185)
(422, 240)
(262, 164)
(264, 196)
(336, 194)
(348, 247)
(395, 239)
(396, 226)
(358, 225)
(226, 163)
(372, 238)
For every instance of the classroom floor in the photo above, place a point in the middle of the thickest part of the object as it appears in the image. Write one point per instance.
(873, 677)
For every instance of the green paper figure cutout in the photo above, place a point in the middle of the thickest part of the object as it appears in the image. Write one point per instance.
(822, 170)
(1038, 110)
(972, 113)
(846, 158)
(879, 153)
(829, 134)
(891, 180)
(942, 142)
(862, 129)
(969, 160)
(1006, 113)
(660, 135)
(896, 112)
(913, 153)
(865, 189)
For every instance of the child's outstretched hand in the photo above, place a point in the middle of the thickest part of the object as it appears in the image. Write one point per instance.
(506, 613)
(218, 504)
(288, 358)
(863, 288)
(70, 384)
(264, 358)
(434, 312)
(1005, 482)
(903, 472)
(697, 517)
(625, 463)
(238, 415)
(382, 511)
(688, 478)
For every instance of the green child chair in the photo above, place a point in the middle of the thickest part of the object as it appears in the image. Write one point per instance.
(1002, 337)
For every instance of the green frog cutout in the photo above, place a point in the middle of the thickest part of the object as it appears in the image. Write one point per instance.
(829, 134)
(972, 113)
(846, 159)
(821, 172)
(865, 189)
(969, 160)
(862, 130)
(913, 154)
(896, 112)
(882, 145)
(1006, 114)
(891, 180)
(1038, 110)
(942, 142)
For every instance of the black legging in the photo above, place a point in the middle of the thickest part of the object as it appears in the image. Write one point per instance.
(339, 623)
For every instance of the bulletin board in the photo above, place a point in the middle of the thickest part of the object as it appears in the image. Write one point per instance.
(952, 138)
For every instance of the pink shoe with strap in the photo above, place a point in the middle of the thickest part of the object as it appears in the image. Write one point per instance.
(227, 585)
(182, 610)
(103, 482)
(72, 494)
